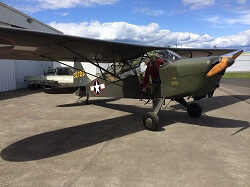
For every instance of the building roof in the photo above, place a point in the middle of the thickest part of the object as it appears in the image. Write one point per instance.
(28, 17)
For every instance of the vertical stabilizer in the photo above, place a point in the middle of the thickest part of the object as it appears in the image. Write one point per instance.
(80, 76)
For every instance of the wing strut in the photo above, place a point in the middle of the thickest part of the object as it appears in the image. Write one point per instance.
(136, 91)
(87, 60)
(101, 68)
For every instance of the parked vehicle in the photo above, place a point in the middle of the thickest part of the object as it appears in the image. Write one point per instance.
(56, 76)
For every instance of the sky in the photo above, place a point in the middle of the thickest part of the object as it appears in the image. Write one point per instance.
(181, 23)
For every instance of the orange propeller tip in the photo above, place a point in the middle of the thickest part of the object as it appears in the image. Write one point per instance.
(236, 55)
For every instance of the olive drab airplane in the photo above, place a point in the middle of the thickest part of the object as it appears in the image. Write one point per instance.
(186, 72)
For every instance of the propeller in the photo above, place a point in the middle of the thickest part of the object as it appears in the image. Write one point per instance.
(223, 64)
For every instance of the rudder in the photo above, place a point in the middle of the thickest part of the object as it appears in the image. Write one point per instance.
(79, 75)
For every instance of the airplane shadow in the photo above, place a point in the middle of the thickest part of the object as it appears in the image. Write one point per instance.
(91, 102)
(217, 102)
(58, 142)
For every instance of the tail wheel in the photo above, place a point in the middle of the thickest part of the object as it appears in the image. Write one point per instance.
(150, 121)
(194, 110)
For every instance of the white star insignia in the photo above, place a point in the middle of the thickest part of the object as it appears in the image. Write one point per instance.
(97, 87)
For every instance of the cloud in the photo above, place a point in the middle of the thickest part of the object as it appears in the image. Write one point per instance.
(62, 14)
(198, 4)
(151, 34)
(57, 4)
(38, 5)
(28, 8)
(148, 11)
(243, 18)
(242, 1)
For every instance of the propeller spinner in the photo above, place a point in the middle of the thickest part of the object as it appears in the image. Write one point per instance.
(223, 64)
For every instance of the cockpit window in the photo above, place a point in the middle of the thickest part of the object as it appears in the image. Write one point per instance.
(168, 56)
(133, 66)
(123, 69)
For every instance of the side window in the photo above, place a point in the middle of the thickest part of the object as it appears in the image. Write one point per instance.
(60, 71)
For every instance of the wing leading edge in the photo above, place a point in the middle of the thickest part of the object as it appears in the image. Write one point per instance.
(20, 44)
(199, 52)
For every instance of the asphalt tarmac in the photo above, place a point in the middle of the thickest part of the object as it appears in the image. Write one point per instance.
(52, 140)
(237, 87)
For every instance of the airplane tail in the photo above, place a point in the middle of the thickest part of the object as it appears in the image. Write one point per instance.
(79, 75)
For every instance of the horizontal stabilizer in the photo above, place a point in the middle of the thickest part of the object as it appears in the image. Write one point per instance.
(60, 90)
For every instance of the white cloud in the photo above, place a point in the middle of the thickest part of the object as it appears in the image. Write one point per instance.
(62, 14)
(151, 34)
(32, 6)
(28, 8)
(56, 4)
(148, 11)
(242, 1)
(243, 18)
(198, 4)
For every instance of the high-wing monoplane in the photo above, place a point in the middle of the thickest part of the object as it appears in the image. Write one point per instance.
(185, 72)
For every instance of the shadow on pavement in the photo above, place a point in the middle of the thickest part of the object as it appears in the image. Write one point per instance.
(66, 140)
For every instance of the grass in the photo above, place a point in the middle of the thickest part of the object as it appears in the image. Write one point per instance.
(238, 75)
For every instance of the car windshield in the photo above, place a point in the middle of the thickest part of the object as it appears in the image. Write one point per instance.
(51, 71)
(64, 71)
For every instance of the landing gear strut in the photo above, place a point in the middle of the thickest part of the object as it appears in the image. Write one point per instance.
(87, 99)
(151, 119)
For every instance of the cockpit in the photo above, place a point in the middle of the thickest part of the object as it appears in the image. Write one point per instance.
(137, 65)
(167, 56)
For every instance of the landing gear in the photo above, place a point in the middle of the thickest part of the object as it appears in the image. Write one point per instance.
(87, 100)
(151, 119)
(194, 110)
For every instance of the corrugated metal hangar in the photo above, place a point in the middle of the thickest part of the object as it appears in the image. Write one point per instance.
(12, 72)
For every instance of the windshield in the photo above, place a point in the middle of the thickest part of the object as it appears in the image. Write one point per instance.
(51, 71)
(123, 70)
(167, 55)
(64, 71)
(135, 66)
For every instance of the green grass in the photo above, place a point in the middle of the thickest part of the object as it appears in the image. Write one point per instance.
(240, 75)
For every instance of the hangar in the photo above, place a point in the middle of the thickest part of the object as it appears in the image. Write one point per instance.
(13, 71)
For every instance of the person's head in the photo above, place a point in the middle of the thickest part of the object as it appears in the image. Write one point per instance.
(152, 58)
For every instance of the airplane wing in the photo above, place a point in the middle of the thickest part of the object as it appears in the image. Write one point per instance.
(21, 44)
(196, 52)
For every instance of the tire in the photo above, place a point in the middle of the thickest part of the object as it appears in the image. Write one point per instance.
(151, 121)
(31, 86)
(194, 110)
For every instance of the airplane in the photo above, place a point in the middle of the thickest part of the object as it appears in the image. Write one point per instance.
(186, 72)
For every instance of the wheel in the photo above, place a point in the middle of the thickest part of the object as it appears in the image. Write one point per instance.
(150, 121)
(31, 86)
(194, 110)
